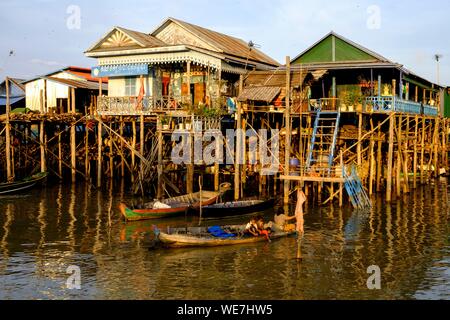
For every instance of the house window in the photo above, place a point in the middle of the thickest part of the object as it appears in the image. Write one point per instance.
(130, 86)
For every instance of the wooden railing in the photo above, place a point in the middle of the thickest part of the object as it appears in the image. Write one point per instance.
(388, 104)
(134, 106)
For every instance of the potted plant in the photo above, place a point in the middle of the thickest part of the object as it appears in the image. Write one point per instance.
(165, 123)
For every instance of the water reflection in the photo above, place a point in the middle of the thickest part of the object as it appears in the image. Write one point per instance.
(49, 229)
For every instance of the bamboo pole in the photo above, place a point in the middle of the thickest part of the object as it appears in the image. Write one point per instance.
(133, 149)
(86, 155)
(122, 160)
(379, 160)
(359, 146)
(160, 160)
(237, 167)
(99, 164)
(73, 156)
(341, 185)
(9, 175)
(390, 160)
(372, 162)
(141, 139)
(422, 150)
(436, 146)
(42, 146)
(287, 146)
(416, 128)
(59, 156)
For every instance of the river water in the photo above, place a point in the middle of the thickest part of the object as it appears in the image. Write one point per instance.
(44, 232)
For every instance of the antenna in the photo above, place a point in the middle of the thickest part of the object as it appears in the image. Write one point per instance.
(438, 57)
(252, 45)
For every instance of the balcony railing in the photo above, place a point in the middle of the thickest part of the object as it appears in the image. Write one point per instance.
(133, 106)
(388, 104)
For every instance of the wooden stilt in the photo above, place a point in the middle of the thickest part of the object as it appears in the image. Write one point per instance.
(287, 146)
(359, 146)
(42, 146)
(9, 174)
(422, 151)
(122, 159)
(60, 164)
(160, 160)
(73, 155)
(100, 153)
(416, 129)
(237, 166)
(133, 153)
(86, 155)
(379, 159)
(390, 160)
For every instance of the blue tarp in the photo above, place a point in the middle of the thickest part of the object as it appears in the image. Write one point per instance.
(218, 232)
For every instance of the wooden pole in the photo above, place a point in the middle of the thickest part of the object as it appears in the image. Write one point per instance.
(390, 160)
(237, 167)
(122, 159)
(73, 143)
(436, 146)
(287, 150)
(379, 159)
(59, 154)
(416, 118)
(160, 160)
(142, 137)
(86, 155)
(42, 146)
(190, 165)
(9, 175)
(422, 150)
(133, 153)
(99, 165)
(341, 185)
(359, 146)
(73, 155)
(372, 161)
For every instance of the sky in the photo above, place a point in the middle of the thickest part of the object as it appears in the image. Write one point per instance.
(40, 36)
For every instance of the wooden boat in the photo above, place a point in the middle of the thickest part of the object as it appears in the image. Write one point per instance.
(227, 209)
(200, 237)
(176, 205)
(25, 184)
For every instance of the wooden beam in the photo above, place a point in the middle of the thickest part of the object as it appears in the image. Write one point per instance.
(9, 174)
(42, 146)
(390, 160)
(287, 146)
(99, 164)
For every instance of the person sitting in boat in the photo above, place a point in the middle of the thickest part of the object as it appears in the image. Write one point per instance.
(281, 222)
(252, 228)
(262, 229)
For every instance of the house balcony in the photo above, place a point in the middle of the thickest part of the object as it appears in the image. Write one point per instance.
(130, 106)
(382, 104)
(389, 104)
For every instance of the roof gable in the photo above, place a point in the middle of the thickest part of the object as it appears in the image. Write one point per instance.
(177, 32)
(335, 48)
(127, 39)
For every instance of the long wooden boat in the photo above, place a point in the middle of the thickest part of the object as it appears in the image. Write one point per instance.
(176, 205)
(227, 209)
(200, 237)
(23, 185)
